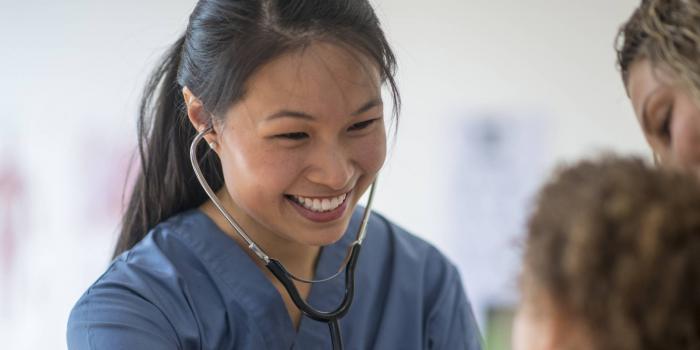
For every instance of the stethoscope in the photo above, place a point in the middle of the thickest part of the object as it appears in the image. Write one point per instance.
(285, 277)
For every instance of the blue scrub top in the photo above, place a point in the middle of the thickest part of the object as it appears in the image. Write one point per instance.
(187, 285)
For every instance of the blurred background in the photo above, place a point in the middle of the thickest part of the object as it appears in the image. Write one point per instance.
(496, 93)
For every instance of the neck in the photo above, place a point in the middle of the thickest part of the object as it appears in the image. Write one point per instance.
(297, 258)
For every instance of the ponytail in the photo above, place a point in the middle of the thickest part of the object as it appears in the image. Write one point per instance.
(166, 183)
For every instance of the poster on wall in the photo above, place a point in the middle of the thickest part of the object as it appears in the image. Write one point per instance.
(503, 160)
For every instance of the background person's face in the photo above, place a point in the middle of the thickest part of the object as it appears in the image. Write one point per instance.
(668, 114)
(304, 144)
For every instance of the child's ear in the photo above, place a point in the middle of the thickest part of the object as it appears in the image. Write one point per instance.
(566, 333)
(540, 325)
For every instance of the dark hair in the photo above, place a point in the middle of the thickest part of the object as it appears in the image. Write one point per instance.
(630, 43)
(666, 32)
(615, 243)
(225, 42)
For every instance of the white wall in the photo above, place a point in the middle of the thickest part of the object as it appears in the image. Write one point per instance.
(546, 59)
(71, 74)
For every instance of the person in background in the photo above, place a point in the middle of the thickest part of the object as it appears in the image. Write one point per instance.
(658, 53)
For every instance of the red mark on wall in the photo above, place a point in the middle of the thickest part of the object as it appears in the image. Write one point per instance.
(108, 179)
(11, 193)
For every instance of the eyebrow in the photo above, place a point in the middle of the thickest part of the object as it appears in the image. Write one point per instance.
(301, 115)
(369, 105)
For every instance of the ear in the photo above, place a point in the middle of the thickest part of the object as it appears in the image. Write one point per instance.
(534, 328)
(567, 332)
(199, 117)
(542, 324)
(552, 329)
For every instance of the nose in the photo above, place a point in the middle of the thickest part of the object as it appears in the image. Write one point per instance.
(685, 141)
(332, 167)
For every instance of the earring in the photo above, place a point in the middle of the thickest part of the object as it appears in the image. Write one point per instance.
(212, 144)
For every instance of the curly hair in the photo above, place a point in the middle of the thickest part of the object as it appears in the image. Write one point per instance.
(615, 243)
(666, 32)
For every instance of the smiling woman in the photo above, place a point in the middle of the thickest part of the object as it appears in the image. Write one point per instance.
(287, 94)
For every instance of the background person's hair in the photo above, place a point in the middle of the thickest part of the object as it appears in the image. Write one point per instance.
(225, 42)
(615, 244)
(667, 32)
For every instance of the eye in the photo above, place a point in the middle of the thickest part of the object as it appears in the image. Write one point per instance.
(664, 129)
(292, 136)
(362, 125)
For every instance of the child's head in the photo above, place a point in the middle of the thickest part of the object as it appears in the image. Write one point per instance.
(612, 260)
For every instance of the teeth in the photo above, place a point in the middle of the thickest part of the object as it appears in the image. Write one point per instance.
(320, 204)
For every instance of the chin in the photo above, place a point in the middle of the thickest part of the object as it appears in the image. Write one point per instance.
(327, 235)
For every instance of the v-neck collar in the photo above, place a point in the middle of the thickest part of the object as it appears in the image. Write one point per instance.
(326, 296)
(243, 283)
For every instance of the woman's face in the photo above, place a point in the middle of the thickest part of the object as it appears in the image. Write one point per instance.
(304, 143)
(668, 114)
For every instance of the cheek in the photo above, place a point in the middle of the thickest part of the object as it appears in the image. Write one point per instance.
(686, 135)
(370, 153)
(254, 173)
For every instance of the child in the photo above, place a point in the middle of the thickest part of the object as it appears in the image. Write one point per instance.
(612, 260)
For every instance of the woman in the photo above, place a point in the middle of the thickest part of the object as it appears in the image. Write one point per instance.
(612, 260)
(287, 94)
(659, 57)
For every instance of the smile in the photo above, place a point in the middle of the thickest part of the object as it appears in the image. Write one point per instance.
(318, 204)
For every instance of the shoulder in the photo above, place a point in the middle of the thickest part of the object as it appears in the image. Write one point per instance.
(415, 278)
(145, 290)
(423, 270)
(409, 256)
(162, 256)
(386, 234)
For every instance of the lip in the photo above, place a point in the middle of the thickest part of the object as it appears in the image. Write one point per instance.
(323, 217)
